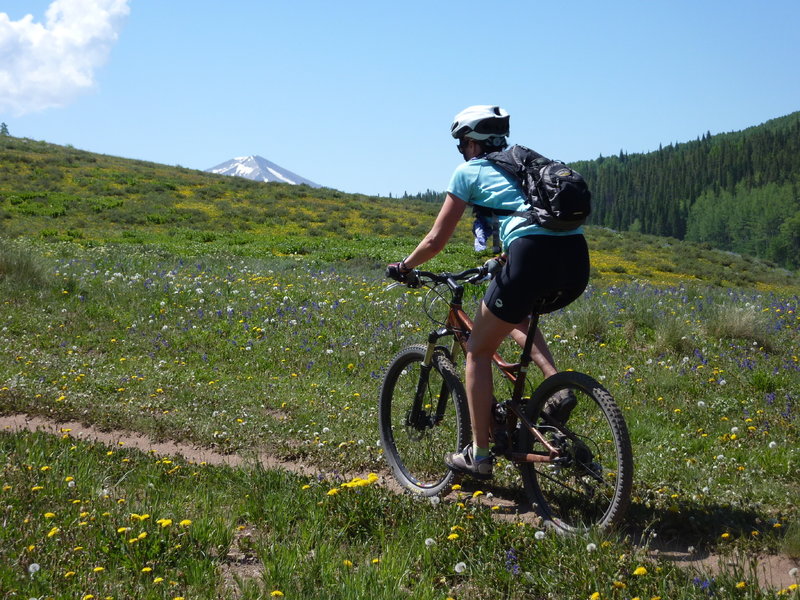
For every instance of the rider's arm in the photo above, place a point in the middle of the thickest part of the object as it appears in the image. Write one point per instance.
(437, 238)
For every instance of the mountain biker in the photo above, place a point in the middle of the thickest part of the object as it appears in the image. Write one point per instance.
(539, 263)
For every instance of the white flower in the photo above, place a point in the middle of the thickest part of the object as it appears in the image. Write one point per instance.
(539, 535)
(793, 572)
(430, 542)
(591, 547)
(773, 445)
(460, 567)
(33, 568)
(701, 404)
(734, 430)
(434, 500)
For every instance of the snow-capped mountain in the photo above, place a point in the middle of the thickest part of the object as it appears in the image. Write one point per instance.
(259, 169)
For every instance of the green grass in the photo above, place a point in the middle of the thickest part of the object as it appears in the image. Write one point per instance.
(82, 520)
(178, 304)
(245, 353)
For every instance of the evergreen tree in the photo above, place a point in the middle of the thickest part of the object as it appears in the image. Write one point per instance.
(3, 129)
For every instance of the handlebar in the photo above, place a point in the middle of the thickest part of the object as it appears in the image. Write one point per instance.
(474, 275)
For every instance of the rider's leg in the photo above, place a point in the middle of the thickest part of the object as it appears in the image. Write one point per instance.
(488, 332)
(540, 353)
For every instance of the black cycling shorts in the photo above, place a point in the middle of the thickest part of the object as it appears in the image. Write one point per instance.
(543, 273)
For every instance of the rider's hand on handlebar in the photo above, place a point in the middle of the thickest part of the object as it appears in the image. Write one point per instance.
(489, 269)
(399, 272)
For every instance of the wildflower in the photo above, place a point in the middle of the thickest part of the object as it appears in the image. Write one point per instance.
(123, 529)
(452, 536)
(146, 569)
(460, 567)
(98, 569)
(595, 596)
(539, 535)
(164, 522)
(49, 515)
(725, 536)
(276, 593)
(33, 568)
(591, 547)
(376, 561)
(620, 585)
(741, 585)
(477, 493)
(430, 542)
(185, 523)
(333, 492)
(53, 531)
(640, 571)
(347, 563)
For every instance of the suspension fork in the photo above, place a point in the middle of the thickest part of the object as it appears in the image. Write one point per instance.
(417, 416)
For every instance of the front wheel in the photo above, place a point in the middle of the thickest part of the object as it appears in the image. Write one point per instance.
(423, 415)
(590, 483)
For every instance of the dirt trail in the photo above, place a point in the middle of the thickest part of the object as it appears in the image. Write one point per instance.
(772, 571)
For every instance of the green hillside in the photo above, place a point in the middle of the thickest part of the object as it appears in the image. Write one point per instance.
(56, 193)
(737, 191)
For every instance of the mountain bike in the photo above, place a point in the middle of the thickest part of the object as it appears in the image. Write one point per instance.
(575, 474)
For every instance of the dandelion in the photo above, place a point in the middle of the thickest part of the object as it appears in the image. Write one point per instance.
(69, 574)
(147, 569)
(620, 585)
(53, 531)
(539, 535)
(333, 492)
(741, 585)
(772, 445)
(98, 569)
(49, 515)
(595, 596)
(164, 522)
(794, 572)
(276, 593)
(376, 561)
(430, 542)
(347, 563)
(158, 580)
(33, 568)
(591, 547)
(452, 536)
(185, 523)
(460, 567)
(725, 536)
(640, 571)
(477, 493)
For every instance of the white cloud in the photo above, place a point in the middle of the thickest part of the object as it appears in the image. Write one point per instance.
(47, 65)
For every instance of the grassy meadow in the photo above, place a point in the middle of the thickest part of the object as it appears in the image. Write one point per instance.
(257, 338)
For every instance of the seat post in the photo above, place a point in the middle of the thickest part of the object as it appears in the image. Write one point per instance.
(525, 359)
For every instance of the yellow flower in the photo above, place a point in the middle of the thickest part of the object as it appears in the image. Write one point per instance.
(306, 487)
(146, 569)
(640, 571)
(185, 523)
(477, 493)
(457, 486)
(164, 522)
(741, 585)
(99, 569)
(158, 580)
(595, 596)
(69, 574)
(376, 561)
(333, 492)
(452, 536)
(49, 515)
(53, 531)
(347, 563)
(619, 585)
(276, 593)
(725, 536)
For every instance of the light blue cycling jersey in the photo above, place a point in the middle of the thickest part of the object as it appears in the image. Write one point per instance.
(480, 182)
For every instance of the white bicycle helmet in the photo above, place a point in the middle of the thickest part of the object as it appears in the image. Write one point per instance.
(481, 122)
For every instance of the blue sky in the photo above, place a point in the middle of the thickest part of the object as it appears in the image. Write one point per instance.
(359, 96)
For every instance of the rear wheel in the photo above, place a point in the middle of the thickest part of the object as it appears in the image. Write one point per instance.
(590, 484)
(422, 417)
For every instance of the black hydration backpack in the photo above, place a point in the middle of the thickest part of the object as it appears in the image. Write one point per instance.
(558, 196)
